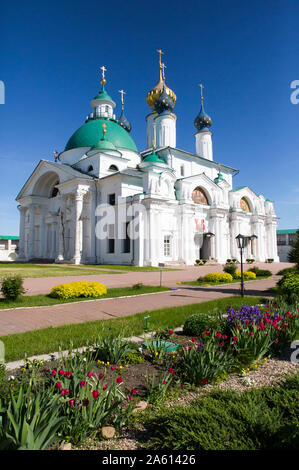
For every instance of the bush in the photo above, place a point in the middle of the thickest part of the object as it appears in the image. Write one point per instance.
(257, 419)
(139, 285)
(12, 287)
(230, 269)
(260, 272)
(247, 275)
(78, 289)
(218, 277)
(289, 287)
(199, 322)
(285, 271)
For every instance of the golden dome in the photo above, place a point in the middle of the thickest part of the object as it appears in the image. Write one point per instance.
(154, 94)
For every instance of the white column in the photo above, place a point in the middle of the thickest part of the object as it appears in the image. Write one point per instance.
(78, 207)
(21, 255)
(61, 231)
(92, 224)
(31, 231)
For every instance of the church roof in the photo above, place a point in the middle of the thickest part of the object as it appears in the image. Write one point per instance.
(88, 135)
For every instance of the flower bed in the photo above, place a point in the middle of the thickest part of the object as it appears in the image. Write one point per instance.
(78, 394)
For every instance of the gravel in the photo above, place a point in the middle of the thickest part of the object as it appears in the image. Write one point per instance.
(269, 372)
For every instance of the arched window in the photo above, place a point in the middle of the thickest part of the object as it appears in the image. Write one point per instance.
(244, 205)
(55, 190)
(113, 168)
(199, 196)
(90, 168)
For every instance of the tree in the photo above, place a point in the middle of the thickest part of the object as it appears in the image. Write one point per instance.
(293, 256)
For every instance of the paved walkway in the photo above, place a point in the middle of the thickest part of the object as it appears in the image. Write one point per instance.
(27, 319)
(43, 285)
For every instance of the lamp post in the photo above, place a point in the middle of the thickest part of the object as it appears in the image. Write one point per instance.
(242, 242)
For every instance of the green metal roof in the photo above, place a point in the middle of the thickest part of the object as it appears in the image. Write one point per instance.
(89, 134)
(9, 237)
(286, 231)
(153, 158)
(103, 95)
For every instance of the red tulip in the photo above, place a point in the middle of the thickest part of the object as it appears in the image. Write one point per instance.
(95, 394)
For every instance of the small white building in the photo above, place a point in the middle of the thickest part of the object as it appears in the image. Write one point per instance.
(8, 247)
(165, 205)
(285, 240)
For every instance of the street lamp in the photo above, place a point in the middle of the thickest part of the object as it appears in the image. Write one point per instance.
(242, 242)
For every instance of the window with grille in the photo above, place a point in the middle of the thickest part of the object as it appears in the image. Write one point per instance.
(167, 245)
(111, 240)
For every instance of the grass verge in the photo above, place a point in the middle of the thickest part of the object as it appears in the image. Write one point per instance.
(122, 267)
(33, 270)
(46, 300)
(80, 334)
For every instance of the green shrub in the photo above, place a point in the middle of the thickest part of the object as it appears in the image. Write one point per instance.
(12, 287)
(289, 287)
(230, 269)
(218, 277)
(257, 419)
(260, 272)
(76, 289)
(139, 285)
(285, 271)
(247, 275)
(199, 322)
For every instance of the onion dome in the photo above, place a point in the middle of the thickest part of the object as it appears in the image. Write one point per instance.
(202, 121)
(157, 91)
(164, 104)
(122, 118)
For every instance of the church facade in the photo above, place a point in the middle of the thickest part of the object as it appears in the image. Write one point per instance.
(103, 202)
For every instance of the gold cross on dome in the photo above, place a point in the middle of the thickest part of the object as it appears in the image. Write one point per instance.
(154, 144)
(122, 92)
(103, 68)
(160, 54)
(201, 95)
(104, 128)
(55, 155)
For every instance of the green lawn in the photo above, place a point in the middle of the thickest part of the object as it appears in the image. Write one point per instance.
(47, 340)
(122, 267)
(33, 270)
(44, 300)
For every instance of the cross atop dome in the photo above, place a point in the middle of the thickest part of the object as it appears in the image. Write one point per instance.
(157, 91)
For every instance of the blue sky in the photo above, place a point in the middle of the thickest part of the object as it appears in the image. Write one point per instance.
(245, 53)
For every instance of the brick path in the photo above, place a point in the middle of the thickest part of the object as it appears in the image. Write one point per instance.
(43, 285)
(27, 319)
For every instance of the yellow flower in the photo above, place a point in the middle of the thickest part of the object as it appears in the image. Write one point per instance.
(157, 354)
(120, 367)
(108, 363)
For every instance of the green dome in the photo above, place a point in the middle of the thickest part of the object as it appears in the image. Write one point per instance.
(102, 95)
(89, 134)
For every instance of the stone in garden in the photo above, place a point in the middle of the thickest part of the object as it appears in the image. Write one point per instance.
(108, 432)
(141, 406)
(67, 446)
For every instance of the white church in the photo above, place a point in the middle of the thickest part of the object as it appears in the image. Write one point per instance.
(190, 208)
